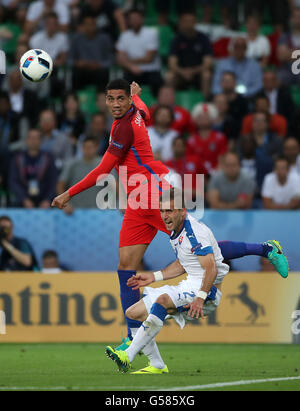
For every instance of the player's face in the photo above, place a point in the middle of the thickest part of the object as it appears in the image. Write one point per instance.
(118, 103)
(172, 217)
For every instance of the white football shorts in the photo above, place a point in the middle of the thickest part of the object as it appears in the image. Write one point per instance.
(181, 295)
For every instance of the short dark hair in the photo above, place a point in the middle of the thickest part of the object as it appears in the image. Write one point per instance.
(50, 254)
(280, 158)
(6, 218)
(229, 73)
(174, 194)
(90, 139)
(164, 107)
(118, 84)
(51, 15)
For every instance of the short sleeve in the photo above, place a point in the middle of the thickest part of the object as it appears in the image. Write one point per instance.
(152, 40)
(267, 187)
(200, 244)
(121, 44)
(121, 140)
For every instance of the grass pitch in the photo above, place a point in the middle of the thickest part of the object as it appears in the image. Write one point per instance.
(85, 367)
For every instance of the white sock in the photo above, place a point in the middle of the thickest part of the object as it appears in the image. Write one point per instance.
(148, 330)
(151, 351)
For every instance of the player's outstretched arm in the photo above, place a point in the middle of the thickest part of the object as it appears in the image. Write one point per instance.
(109, 161)
(136, 91)
(142, 280)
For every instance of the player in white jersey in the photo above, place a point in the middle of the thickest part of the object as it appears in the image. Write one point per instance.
(198, 255)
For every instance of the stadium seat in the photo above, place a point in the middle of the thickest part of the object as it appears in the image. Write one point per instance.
(147, 96)
(188, 99)
(295, 91)
(166, 35)
(87, 100)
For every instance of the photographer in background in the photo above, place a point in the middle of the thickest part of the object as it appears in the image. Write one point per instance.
(16, 253)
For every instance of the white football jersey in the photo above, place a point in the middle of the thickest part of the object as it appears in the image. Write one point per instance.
(195, 239)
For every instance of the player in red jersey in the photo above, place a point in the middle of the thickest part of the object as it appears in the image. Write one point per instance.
(129, 146)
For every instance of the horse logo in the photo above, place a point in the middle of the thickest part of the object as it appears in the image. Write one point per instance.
(255, 308)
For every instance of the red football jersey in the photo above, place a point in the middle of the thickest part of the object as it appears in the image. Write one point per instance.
(130, 142)
(207, 150)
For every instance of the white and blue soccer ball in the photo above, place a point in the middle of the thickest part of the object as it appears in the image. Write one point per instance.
(36, 65)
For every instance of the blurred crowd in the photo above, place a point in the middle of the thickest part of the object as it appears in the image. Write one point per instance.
(241, 131)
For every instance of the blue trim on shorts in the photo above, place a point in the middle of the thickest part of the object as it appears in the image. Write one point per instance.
(211, 296)
(159, 311)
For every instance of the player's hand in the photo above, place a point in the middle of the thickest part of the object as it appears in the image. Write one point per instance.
(61, 201)
(195, 308)
(140, 280)
(135, 89)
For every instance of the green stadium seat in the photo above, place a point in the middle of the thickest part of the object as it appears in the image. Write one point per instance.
(166, 35)
(295, 91)
(87, 100)
(188, 99)
(147, 96)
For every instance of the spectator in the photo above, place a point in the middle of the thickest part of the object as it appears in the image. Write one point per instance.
(102, 107)
(258, 45)
(281, 189)
(109, 18)
(182, 119)
(284, 72)
(279, 97)
(8, 123)
(33, 176)
(75, 170)
(228, 9)
(238, 105)
(268, 146)
(224, 122)
(138, 52)
(50, 262)
(164, 8)
(248, 72)
(4, 166)
(98, 132)
(278, 9)
(230, 189)
(91, 54)
(17, 253)
(38, 10)
(291, 152)
(56, 44)
(24, 102)
(184, 164)
(53, 140)
(190, 59)
(246, 150)
(52, 40)
(209, 145)
(277, 123)
(71, 121)
(160, 134)
(291, 39)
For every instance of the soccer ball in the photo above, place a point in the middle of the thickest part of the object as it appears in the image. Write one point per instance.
(36, 65)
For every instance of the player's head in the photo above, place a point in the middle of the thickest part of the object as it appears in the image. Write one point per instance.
(118, 97)
(50, 259)
(172, 209)
(6, 227)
